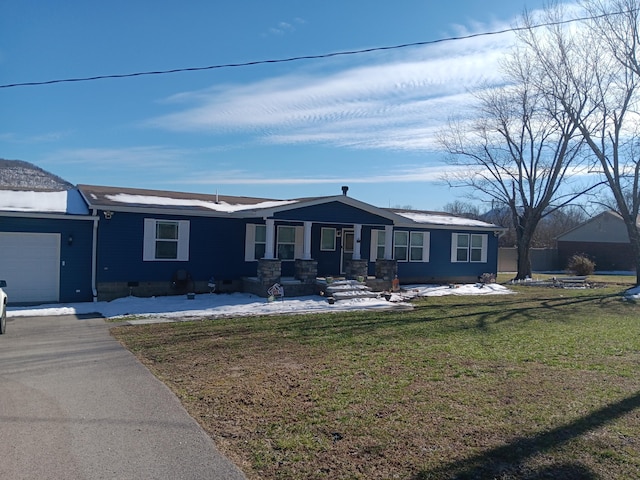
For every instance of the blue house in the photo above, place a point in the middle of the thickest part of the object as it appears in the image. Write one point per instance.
(95, 242)
(151, 242)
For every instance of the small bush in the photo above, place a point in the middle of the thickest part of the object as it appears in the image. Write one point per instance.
(580, 264)
(487, 278)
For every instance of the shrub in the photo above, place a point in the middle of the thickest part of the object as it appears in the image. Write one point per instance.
(487, 278)
(580, 264)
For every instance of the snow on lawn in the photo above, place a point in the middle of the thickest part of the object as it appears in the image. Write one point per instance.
(633, 294)
(411, 291)
(178, 307)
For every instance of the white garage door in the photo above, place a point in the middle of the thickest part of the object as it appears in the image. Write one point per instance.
(30, 263)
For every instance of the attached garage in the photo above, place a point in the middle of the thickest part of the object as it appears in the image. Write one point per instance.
(30, 263)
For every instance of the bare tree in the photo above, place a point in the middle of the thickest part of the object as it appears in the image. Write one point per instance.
(557, 223)
(463, 209)
(517, 151)
(591, 69)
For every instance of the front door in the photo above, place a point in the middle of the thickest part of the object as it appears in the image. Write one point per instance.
(348, 238)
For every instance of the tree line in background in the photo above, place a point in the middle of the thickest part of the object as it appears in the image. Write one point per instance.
(563, 130)
(548, 229)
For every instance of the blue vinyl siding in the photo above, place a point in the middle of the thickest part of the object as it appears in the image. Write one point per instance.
(75, 273)
(216, 248)
(440, 266)
(333, 212)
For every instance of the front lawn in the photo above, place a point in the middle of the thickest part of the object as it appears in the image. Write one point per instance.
(541, 384)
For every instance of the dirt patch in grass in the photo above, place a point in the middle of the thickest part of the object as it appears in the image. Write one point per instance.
(535, 385)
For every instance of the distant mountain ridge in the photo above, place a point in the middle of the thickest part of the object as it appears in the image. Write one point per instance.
(26, 176)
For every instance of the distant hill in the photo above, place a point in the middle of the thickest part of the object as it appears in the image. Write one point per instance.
(26, 176)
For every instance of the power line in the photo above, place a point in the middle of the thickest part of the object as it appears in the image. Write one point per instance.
(299, 58)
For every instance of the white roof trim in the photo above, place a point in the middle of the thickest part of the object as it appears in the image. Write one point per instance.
(53, 216)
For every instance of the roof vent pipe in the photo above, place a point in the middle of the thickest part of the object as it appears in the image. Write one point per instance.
(345, 189)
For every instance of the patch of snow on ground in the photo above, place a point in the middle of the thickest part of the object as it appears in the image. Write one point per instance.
(176, 307)
(633, 293)
(412, 291)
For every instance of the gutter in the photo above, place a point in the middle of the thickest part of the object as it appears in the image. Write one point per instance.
(94, 256)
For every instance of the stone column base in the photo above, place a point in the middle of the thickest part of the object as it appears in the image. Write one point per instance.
(306, 270)
(356, 268)
(386, 269)
(269, 271)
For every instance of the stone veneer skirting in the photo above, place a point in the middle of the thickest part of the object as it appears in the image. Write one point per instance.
(108, 291)
(269, 272)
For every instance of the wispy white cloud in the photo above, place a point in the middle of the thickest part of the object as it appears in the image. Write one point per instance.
(156, 156)
(47, 137)
(399, 174)
(286, 27)
(393, 102)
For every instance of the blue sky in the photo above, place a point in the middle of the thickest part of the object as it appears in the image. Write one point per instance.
(282, 130)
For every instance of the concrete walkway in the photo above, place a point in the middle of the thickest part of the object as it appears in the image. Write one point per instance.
(75, 404)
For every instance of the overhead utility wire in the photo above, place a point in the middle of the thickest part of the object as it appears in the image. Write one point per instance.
(304, 57)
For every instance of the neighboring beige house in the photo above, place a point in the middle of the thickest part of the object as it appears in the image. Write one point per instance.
(603, 238)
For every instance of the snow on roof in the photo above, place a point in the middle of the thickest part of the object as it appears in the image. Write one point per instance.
(443, 219)
(185, 202)
(66, 201)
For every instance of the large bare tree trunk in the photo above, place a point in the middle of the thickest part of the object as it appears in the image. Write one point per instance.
(525, 225)
(634, 238)
(524, 259)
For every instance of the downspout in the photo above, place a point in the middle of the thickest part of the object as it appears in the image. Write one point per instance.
(94, 256)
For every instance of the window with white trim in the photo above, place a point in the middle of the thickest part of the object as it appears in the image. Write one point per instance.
(411, 246)
(380, 243)
(289, 242)
(417, 246)
(165, 240)
(476, 248)
(260, 241)
(328, 239)
(407, 246)
(401, 246)
(376, 250)
(469, 247)
(255, 244)
(286, 243)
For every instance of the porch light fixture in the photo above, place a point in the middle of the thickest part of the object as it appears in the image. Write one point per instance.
(108, 214)
(70, 240)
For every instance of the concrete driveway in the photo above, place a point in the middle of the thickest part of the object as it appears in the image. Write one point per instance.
(75, 404)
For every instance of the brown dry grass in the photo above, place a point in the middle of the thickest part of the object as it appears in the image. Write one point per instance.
(542, 384)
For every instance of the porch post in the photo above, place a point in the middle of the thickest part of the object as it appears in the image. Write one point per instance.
(357, 241)
(306, 252)
(270, 240)
(388, 242)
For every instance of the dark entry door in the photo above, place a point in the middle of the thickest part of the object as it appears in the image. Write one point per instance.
(348, 239)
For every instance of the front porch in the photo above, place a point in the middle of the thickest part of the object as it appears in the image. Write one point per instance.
(307, 282)
(295, 288)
